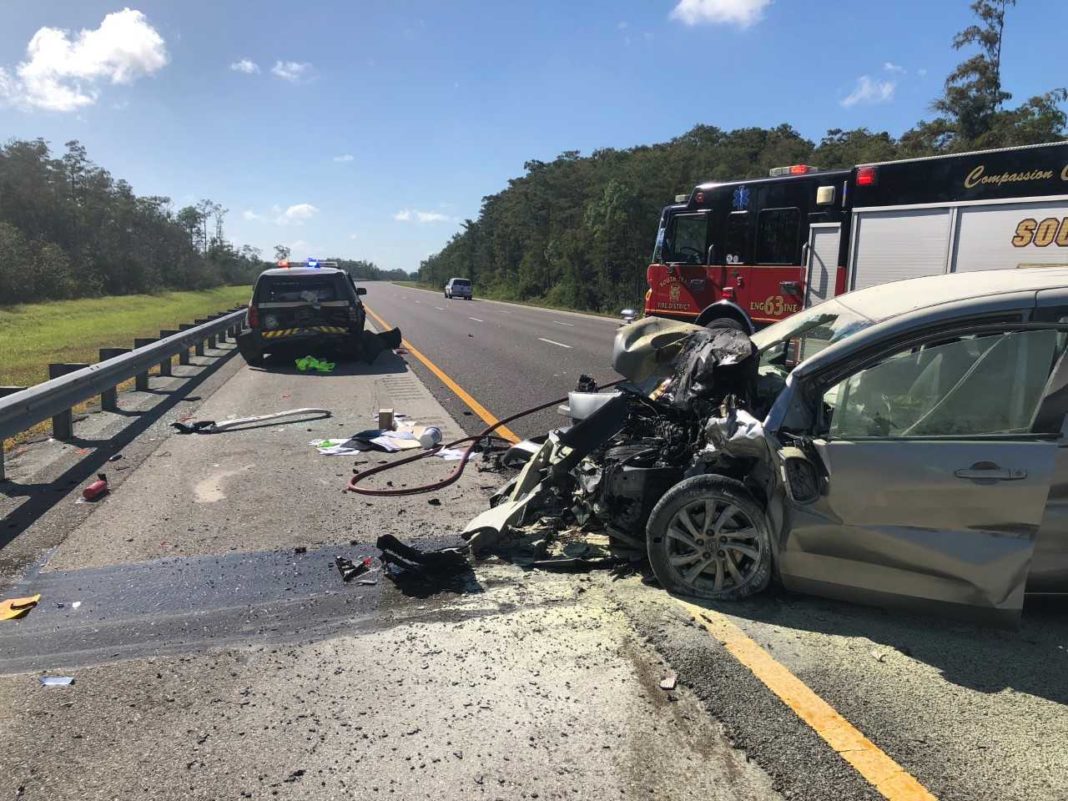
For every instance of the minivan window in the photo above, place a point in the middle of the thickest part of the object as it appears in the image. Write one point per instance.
(460, 282)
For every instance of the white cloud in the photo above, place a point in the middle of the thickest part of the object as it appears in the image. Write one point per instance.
(344, 158)
(410, 215)
(870, 92)
(247, 66)
(297, 213)
(62, 70)
(890, 66)
(293, 71)
(921, 72)
(250, 215)
(742, 13)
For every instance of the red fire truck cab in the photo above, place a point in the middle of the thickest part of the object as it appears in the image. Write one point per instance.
(747, 253)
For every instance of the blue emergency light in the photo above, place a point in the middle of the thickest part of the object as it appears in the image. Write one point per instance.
(313, 263)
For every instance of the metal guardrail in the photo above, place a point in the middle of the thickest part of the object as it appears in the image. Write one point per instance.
(23, 408)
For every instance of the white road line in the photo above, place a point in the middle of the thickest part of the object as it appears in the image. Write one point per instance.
(440, 308)
(476, 319)
(551, 342)
(569, 325)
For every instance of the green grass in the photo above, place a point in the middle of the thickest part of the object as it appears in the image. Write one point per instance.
(35, 334)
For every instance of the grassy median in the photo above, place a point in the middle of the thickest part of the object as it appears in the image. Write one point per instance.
(33, 335)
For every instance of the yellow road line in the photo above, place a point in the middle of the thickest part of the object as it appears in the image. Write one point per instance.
(461, 393)
(888, 777)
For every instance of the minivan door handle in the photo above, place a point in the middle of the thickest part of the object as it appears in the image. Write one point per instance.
(989, 472)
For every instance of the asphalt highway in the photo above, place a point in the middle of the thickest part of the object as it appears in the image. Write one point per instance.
(508, 356)
(216, 652)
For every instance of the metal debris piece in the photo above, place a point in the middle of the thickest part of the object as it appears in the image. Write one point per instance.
(57, 681)
(349, 569)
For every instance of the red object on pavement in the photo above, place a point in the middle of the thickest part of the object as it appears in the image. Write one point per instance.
(97, 489)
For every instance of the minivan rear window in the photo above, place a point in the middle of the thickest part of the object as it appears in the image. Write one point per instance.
(461, 282)
(294, 290)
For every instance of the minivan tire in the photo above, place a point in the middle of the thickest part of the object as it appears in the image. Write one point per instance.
(746, 543)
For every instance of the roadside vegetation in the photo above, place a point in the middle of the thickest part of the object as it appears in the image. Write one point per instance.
(577, 232)
(32, 335)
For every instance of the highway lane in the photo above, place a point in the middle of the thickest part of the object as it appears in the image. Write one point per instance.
(508, 356)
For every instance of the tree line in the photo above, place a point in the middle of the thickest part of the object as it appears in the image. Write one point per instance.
(360, 269)
(69, 229)
(578, 231)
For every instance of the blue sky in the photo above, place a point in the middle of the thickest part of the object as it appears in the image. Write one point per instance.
(370, 129)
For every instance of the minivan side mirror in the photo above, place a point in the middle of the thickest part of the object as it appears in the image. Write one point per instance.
(361, 290)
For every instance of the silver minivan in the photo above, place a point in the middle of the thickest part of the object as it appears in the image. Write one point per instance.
(458, 288)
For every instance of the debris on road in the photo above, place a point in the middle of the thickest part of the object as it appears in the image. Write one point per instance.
(57, 681)
(15, 608)
(98, 489)
(245, 423)
(349, 569)
(669, 682)
(115, 457)
(424, 573)
(311, 364)
(385, 419)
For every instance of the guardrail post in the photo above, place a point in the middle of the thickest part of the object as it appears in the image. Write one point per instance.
(198, 347)
(183, 355)
(165, 365)
(141, 379)
(109, 398)
(4, 392)
(63, 423)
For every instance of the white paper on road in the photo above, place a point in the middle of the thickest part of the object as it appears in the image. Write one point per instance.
(453, 454)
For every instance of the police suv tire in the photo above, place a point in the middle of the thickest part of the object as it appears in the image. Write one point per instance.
(249, 352)
(726, 493)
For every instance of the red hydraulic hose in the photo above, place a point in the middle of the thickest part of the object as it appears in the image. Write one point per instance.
(458, 470)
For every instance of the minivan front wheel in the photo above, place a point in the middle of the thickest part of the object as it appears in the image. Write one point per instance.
(708, 538)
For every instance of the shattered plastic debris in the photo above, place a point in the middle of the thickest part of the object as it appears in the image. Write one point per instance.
(57, 681)
(310, 363)
(669, 682)
(15, 608)
(423, 573)
(349, 569)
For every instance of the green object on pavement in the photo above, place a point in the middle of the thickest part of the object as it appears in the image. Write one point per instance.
(311, 363)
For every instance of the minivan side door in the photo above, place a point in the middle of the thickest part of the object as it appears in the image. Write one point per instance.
(939, 453)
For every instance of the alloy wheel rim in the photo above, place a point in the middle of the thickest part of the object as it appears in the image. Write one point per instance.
(713, 545)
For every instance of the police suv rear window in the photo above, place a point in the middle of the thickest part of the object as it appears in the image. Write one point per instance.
(289, 290)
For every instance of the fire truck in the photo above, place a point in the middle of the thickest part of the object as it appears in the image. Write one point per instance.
(746, 253)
